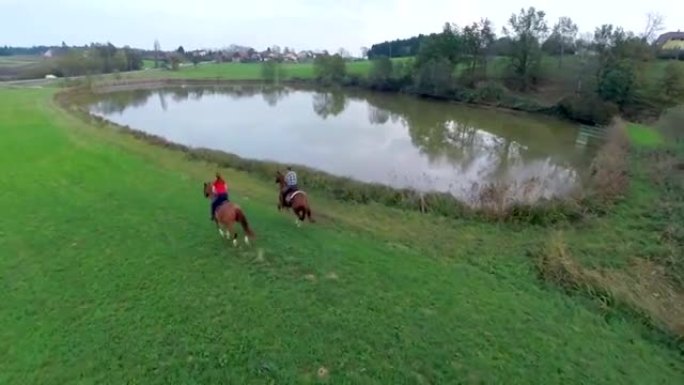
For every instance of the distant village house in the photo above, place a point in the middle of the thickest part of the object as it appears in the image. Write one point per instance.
(671, 44)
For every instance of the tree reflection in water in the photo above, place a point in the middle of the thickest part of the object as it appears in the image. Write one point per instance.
(447, 147)
(327, 104)
(528, 173)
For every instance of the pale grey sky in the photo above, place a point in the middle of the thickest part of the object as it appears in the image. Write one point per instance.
(302, 24)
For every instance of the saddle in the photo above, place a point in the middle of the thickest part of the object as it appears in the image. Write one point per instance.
(290, 196)
(219, 205)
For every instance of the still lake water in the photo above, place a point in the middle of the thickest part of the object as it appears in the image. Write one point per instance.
(391, 139)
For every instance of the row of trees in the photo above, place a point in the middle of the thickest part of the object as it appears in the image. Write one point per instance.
(609, 70)
(96, 59)
(11, 51)
(396, 48)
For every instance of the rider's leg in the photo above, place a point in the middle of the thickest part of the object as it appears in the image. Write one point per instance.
(218, 201)
(213, 209)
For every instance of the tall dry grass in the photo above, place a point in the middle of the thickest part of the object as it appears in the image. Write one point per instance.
(607, 182)
(609, 172)
(642, 286)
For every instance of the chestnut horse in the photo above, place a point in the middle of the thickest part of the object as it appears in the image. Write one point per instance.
(227, 214)
(298, 201)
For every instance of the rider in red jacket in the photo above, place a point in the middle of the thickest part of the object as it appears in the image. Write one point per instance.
(220, 188)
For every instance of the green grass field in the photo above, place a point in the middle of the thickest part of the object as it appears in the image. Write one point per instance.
(240, 71)
(13, 66)
(112, 273)
(644, 136)
(19, 60)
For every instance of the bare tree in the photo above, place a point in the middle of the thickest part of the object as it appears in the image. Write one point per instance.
(655, 23)
(343, 53)
(583, 44)
(567, 32)
(364, 52)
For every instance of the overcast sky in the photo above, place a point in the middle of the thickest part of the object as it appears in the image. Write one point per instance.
(302, 24)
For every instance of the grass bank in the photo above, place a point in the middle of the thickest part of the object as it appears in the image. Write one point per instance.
(111, 272)
(643, 269)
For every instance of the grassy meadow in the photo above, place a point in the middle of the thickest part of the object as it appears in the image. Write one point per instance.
(238, 71)
(12, 67)
(112, 273)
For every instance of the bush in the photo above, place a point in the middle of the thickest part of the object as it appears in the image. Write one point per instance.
(352, 80)
(380, 72)
(490, 92)
(618, 83)
(672, 83)
(331, 68)
(671, 123)
(587, 108)
(434, 78)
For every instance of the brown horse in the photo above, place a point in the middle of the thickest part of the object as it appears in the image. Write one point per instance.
(298, 201)
(226, 215)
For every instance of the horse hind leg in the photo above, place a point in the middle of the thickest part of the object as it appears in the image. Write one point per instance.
(222, 233)
(300, 213)
(232, 234)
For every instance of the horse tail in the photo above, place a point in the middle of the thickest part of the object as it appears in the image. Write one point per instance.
(307, 208)
(240, 216)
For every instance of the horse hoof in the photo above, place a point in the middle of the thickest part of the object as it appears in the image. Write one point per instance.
(234, 242)
(246, 240)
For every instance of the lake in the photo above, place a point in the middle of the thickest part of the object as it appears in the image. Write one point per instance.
(395, 140)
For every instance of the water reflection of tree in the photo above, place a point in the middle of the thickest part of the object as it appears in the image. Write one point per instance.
(456, 139)
(329, 103)
(197, 94)
(117, 102)
(241, 91)
(272, 95)
(179, 94)
(162, 100)
(431, 123)
(377, 115)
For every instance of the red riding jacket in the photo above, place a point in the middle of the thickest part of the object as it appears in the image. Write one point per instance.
(220, 186)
